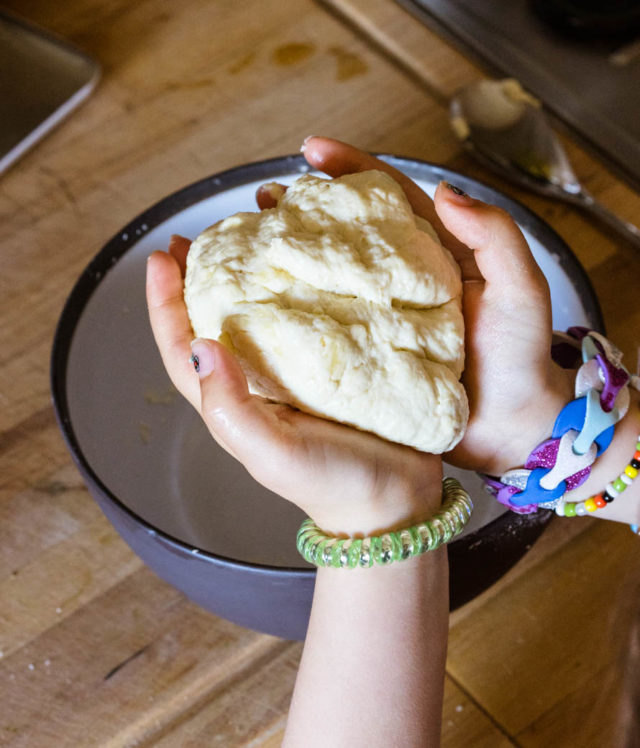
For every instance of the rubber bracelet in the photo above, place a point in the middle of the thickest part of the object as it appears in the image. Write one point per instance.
(610, 493)
(324, 550)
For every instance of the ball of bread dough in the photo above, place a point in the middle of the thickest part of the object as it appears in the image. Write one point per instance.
(342, 303)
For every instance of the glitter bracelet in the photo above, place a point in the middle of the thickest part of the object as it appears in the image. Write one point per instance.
(321, 549)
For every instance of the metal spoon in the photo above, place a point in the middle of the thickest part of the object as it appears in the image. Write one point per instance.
(505, 128)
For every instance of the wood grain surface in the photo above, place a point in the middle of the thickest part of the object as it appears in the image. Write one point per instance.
(95, 649)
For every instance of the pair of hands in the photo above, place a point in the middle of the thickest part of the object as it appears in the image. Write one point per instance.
(351, 481)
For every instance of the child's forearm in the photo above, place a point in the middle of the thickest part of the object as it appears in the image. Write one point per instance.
(372, 671)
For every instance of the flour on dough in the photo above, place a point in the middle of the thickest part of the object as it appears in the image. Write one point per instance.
(342, 303)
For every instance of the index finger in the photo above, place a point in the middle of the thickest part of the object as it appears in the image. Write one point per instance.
(170, 322)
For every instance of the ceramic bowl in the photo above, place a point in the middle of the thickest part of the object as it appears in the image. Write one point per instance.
(185, 507)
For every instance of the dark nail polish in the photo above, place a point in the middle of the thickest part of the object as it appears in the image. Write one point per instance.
(456, 190)
(195, 361)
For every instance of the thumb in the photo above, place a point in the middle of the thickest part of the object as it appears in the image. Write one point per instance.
(502, 254)
(238, 421)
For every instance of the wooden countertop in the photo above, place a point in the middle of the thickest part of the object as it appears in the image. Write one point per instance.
(96, 650)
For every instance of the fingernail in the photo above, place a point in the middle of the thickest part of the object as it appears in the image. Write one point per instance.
(461, 196)
(305, 141)
(457, 190)
(202, 357)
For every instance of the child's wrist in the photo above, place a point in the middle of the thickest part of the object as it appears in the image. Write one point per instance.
(382, 549)
(405, 502)
(626, 507)
(536, 424)
(582, 433)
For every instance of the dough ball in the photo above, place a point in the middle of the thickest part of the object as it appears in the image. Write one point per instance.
(342, 303)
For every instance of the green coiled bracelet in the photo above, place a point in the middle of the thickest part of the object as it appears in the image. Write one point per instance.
(321, 549)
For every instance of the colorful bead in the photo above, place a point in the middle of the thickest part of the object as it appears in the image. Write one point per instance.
(612, 490)
(619, 485)
(600, 500)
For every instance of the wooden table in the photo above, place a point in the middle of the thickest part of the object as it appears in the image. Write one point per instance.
(96, 650)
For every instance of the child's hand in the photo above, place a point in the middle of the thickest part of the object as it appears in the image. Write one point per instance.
(515, 390)
(351, 481)
(348, 481)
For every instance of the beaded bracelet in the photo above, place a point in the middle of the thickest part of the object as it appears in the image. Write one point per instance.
(321, 549)
(611, 492)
